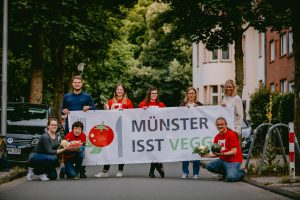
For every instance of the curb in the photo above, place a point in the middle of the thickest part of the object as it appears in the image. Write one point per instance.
(273, 189)
(12, 176)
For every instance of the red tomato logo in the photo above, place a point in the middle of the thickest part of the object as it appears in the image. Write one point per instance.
(101, 135)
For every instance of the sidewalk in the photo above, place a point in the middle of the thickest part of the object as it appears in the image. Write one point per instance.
(7, 176)
(274, 184)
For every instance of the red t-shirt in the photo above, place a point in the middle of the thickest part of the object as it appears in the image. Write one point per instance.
(72, 137)
(228, 141)
(119, 104)
(151, 104)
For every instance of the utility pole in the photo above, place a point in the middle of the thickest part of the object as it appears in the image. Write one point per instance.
(4, 72)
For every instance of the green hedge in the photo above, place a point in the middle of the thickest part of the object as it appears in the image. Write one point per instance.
(282, 107)
(282, 112)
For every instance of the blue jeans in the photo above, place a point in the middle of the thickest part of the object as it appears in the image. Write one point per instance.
(43, 164)
(73, 164)
(230, 171)
(196, 167)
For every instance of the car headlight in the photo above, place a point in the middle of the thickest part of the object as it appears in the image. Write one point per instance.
(35, 141)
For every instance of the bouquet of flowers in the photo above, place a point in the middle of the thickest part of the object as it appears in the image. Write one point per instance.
(202, 150)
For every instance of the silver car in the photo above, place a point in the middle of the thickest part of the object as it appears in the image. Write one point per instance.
(247, 134)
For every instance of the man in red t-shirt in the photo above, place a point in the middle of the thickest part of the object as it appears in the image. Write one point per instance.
(230, 157)
(73, 158)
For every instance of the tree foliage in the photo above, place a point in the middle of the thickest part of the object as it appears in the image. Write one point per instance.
(143, 55)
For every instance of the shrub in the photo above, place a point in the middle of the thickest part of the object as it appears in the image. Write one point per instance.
(282, 112)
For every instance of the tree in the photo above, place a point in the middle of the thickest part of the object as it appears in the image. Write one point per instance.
(143, 56)
(216, 23)
(161, 61)
(60, 34)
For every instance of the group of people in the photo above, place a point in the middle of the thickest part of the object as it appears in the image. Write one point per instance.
(45, 157)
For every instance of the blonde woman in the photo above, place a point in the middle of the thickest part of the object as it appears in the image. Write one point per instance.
(190, 100)
(232, 99)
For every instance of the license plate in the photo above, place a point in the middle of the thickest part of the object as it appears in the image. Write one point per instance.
(13, 151)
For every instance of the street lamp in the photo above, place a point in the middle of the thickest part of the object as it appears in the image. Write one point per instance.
(80, 67)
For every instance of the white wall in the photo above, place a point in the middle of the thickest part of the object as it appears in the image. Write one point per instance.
(216, 73)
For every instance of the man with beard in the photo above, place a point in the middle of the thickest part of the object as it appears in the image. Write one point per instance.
(230, 155)
(74, 101)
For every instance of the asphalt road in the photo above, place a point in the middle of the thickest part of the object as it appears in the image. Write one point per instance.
(135, 185)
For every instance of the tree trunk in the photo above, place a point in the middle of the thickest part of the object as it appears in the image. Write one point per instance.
(37, 69)
(238, 57)
(58, 59)
(296, 48)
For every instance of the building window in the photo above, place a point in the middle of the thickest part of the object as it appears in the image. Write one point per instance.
(214, 55)
(225, 54)
(272, 87)
(291, 86)
(290, 44)
(272, 50)
(214, 95)
(283, 44)
(283, 86)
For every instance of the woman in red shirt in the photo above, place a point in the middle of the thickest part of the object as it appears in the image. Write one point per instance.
(119, 101)
(152, 100)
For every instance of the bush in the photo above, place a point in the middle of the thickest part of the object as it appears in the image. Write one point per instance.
(258, 106)
(282, 112)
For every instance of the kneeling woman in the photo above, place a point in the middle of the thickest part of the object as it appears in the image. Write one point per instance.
(43, 159)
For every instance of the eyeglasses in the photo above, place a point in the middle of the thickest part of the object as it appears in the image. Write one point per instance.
(53, 124)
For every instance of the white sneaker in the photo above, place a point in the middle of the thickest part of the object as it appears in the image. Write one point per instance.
(43, 177)
(184, 176)
(119, 174)
(218, 176)
(101, 175)
(30, 174)
(195, 176)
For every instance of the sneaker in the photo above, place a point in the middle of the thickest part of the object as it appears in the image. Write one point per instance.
(82, 175)
(30, 174)
(151, 175)
(184, 176)
(218, 177)
(102, 175)
(119, 174)
(76, 177)
(244, 172)
(196, 176)
(62, 173)
(82, 172)
(43, 177)
(160, 170)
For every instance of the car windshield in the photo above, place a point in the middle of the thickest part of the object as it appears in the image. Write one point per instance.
(26, 119)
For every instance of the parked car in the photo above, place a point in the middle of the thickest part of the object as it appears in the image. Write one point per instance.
(25, 124)
(247, 134)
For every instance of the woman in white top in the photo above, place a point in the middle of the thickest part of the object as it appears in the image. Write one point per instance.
(232, 99)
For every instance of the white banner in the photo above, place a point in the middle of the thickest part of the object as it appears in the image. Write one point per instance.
(151, 135)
